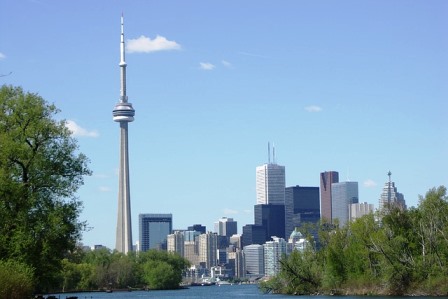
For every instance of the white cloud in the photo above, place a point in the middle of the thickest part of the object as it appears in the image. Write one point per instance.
(2, 56)
(369, 183)
(79, 131)
(230, 211)
(313, 108)
(226, 64)
(144, 44)
(104, 189)
(206, 66)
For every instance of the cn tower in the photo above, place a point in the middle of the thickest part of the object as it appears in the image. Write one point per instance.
(123, 113)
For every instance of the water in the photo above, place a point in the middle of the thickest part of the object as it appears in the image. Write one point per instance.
(202, 292)
(199, 292)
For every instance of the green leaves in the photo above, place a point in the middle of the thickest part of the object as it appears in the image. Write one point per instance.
(401, 252)
(40, 172)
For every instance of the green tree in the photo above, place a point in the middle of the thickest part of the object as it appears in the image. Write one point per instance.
(40, 172)
(16, 280)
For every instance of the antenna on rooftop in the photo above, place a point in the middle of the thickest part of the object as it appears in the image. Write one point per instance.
(269, 152)
(273, 153)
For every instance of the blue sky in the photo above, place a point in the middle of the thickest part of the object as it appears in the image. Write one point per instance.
(359, 87)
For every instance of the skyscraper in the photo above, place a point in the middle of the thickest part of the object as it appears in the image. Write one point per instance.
(272, 218)
(153, 230)
(123, 113)
(326, 179)
(254, 259)
(343, 194)
(301, 205)
(270, 184)
(390, 196)
(208, 249)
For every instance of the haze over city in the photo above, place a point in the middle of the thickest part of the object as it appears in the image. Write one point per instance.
(355, 87)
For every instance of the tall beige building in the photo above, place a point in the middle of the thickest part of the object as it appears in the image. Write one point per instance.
(208, 245)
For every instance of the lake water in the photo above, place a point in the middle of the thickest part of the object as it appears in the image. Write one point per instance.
(203, 292)
(199, 292)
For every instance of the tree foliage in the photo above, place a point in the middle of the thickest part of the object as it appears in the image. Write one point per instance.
(16, 280)
(40, 171)
(401, 252)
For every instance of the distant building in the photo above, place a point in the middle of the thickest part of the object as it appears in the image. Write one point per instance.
(235, 241)
(272, 218)
(296, 242)
(153, 230)
(208, 250)
(253, 234)
(254, 259)
(326, 179)
(237, 263)
(301, 206)
(357, 210)
(198, 227)
(390, 197)
(226, 227)
(273, 253)
(176, 242)
(343, 194)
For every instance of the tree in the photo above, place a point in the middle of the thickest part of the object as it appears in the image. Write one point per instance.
(40, 172)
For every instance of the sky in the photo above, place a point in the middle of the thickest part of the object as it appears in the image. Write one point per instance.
(358, 87)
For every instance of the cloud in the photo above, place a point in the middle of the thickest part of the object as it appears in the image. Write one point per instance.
(313, 108)
(144, 44)
(230, 211)
(206, 66)
(2, 56)
(227, 64)
(78, 131)
(104, 189)
(369, 183)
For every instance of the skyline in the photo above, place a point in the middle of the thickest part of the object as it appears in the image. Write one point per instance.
(358, 88)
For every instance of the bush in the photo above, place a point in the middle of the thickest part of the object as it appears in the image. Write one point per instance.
(16, 280)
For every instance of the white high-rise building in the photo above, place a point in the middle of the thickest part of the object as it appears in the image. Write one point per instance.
(390, 196)
(270, 184)
(343, 194)
(273, 252)
(357, 210)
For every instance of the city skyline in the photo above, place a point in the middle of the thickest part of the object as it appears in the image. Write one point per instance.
(355, 87)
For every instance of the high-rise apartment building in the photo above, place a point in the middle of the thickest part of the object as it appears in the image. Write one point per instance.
(390, 197)
(343, 194)
(254, 259)
(208, 248)
(176, 242)
(301, 206)
(273, 253)
(153, 230)
(326, 179)
(270, 184)
(226, 227)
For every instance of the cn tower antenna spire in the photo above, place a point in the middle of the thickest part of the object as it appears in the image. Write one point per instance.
(123, 113)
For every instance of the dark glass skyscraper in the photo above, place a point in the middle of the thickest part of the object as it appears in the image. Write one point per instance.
(326, 179)
(301, 206)
(272, 218)
(153, 230)
(253, 234)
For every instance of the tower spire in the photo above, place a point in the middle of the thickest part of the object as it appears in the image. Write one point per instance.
(123, 113)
